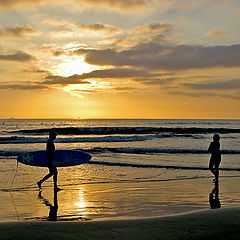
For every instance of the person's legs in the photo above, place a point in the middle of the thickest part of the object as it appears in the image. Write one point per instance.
(44, 179)
(216, 167)
(55, 174)
(52, 172)
(211, 167)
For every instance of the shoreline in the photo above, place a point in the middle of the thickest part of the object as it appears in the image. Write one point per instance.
(223, 223)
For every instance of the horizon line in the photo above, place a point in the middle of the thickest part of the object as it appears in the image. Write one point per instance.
(109, 118)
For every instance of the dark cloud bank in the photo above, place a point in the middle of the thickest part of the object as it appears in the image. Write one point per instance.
(158, 56)
(19, 57)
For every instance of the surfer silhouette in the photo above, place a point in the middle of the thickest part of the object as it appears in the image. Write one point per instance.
(52, 170)
(215, 159)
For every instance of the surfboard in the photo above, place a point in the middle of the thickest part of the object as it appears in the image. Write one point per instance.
(61, 158)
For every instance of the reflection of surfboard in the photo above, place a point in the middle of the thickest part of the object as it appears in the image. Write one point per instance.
(61, 158)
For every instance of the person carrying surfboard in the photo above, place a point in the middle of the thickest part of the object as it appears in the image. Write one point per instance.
(52, 170)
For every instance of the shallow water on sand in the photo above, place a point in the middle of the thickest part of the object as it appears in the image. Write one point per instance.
(95, 192)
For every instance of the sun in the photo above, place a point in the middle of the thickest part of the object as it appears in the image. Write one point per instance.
(73, 65)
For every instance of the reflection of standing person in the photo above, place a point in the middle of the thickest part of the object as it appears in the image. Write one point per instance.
(52, 170)
(214, 149)
(214, 197)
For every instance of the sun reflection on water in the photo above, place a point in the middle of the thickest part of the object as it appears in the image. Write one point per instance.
(81, 204)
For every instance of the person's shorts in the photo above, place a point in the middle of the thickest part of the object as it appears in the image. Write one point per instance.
(215, 160)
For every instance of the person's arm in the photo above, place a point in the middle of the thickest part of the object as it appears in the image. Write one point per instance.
(210, 148)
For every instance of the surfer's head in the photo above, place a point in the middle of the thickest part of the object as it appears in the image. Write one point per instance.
(216, 137)
(52, 134)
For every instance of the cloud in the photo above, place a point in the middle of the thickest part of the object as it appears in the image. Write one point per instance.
(142, 76)
(216, 85)
(121, 5)
(99, 27)
(153, 27)
(163, 56)
(116, 73)
(234, 96)
(107, 73)
(19, 57)
(216, 34)
(35, 70)
(23, 86)
(191, 94)
(66, 25)
(74, 79)
(18, 31)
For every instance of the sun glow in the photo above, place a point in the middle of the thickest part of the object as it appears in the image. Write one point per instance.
(73, 65)
(91, 87)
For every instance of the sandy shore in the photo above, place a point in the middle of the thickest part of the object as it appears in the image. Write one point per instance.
(206, 224)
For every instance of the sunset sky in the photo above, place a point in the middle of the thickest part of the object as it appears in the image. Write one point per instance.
(119, 59)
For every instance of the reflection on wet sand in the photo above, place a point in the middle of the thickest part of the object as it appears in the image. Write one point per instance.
(214, 197)
(53, 209)
(81, 203)
(118, 200)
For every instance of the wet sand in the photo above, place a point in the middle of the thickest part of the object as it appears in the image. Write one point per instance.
(205, 224)
(148, 209)
(149, 198)
(112, 200)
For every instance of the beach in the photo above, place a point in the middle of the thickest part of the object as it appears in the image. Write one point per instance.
(119, 120)
(147, 179)
(113, 200)
(217, 224)
(178, 209)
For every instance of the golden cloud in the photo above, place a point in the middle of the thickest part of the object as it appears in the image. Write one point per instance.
(18, 31)
(122, 5)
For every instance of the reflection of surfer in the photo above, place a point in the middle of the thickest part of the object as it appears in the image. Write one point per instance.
(53, 209)
(214, 149)
(52, 170)
(214, 197)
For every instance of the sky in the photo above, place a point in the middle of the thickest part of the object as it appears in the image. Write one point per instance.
(120, 59)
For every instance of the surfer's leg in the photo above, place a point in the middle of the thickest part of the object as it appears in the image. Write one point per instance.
(44, 179)
(55, 173)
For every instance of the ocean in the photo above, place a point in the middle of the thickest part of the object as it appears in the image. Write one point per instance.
(125, 151)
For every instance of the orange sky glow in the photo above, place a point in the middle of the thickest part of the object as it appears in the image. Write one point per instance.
(123, 59)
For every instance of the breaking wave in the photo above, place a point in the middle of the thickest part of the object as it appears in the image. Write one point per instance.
(128, 130)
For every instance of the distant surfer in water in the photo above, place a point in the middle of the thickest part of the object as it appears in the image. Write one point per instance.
(52, 170)
(214, 149)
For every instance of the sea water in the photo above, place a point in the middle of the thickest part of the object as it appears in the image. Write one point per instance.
(124, 151)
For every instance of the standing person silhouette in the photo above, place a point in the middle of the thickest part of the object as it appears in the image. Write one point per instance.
(52, 170)
(215, 159)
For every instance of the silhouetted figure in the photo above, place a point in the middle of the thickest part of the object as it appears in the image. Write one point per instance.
(214, 197)
(53, 209)
(52, 170)
(214, 149)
